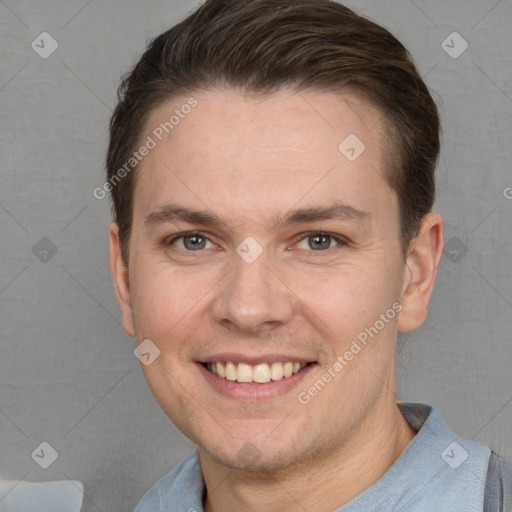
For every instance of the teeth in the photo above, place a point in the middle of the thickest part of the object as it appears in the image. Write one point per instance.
(231, 373)
(276, 371)
(261, 373)
(244, 373)
(220, 370)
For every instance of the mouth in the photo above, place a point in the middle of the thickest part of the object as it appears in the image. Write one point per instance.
(259, 373)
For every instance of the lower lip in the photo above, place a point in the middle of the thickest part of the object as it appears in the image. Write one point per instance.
(253, 391)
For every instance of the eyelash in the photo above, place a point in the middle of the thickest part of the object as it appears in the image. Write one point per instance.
(342, 242)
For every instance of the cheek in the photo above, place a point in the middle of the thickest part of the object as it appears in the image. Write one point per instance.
(352, 286)
(341, 303)
(165, 299)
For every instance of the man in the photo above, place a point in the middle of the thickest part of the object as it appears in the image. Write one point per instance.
(272, 166)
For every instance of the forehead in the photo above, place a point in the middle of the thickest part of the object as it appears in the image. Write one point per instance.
(286, 114)
(261, 153)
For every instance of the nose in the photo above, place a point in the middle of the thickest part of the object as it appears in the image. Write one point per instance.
(253, 297)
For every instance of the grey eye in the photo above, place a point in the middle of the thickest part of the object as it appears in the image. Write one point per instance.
(194, 242)
(191, 242)
(319, 242)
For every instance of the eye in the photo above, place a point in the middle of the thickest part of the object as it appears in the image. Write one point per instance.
(193, 241)
(319, 241)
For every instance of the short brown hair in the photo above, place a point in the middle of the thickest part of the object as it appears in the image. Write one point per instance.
(260, 46)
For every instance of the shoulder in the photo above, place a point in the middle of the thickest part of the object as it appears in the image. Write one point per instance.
(483, 472)
(180, 489)
(498, 485)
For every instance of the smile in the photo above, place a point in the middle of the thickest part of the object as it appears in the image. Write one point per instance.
(259, 373)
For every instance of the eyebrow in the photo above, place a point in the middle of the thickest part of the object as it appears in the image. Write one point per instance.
(338, 211)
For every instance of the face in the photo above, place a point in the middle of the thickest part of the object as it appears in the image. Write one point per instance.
(264, 240)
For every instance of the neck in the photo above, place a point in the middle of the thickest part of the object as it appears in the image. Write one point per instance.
(323, 482)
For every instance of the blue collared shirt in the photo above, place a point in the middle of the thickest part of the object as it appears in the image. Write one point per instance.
(438, 471)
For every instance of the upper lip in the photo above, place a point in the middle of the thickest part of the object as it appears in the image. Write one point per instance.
(255, 359)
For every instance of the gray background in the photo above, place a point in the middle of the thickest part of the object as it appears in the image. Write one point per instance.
(67, 371)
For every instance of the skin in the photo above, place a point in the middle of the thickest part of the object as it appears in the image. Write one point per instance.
(251, 160)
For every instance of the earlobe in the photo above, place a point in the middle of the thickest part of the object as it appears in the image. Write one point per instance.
(420, 272)
(119, 271)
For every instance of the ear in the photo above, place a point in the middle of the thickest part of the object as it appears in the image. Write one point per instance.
(420, 272)
(121, 280)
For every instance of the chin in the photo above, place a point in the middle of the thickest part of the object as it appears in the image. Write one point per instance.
(255, 456)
